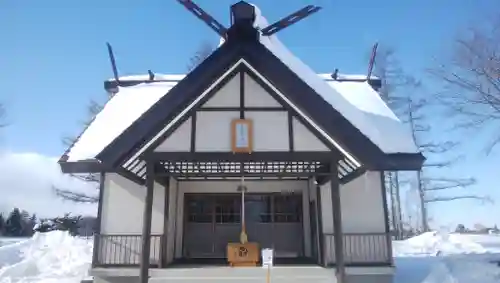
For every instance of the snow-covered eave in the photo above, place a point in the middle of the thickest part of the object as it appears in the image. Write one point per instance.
(81, 166)
(111, 85)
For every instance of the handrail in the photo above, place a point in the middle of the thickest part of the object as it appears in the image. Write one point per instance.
(125, 250)
(359, 249)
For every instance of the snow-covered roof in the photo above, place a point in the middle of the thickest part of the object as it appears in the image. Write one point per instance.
(347, 77)
(117, 115)
(157, 77)
(358, 102)
(366, 111)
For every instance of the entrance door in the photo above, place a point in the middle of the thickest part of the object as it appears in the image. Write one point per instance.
(213, 220)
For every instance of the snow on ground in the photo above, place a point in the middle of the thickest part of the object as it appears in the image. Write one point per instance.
(429, 258)
(435, 243)
(46, 258)
(435, 257)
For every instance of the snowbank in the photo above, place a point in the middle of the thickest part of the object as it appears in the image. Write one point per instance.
(435, 243)
(435, 257)
(47, 257)
(429, 258)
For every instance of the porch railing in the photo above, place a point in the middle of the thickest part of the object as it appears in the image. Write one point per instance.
(125, 250)
(360, 249)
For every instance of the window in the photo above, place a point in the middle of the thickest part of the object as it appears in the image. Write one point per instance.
(199, 209)
(287, 208)
(258, 208)
(227, 209)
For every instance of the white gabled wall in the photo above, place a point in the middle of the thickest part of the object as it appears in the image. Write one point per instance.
(270, 128)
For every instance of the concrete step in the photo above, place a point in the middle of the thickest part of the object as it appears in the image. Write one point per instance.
(218, 274)
(245, 274)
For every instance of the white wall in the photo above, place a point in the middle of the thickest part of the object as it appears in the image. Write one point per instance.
(123, 208)
(230, 187)
(172, 219)
(362, 209)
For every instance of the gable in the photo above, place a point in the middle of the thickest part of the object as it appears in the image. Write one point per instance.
(276, 128)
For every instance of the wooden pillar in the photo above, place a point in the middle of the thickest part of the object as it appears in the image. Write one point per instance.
(146, 224)
(388, 236)
(321, 234)
(337, 223)
(166, 221)
(97, 232)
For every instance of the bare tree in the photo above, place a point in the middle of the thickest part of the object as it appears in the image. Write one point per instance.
(405, 95)
(430, 180)
(93, 108)
(471, 80)
(387, 69)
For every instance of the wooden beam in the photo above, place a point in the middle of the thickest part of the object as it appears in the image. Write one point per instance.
(337, 224)
(97, 244)
(386, 215)
(146, 224)
(166, 220)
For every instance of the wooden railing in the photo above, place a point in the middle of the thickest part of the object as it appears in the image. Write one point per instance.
(125, 250)
(360, 249)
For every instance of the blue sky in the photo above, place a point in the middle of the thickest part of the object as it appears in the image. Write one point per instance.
(53, 59)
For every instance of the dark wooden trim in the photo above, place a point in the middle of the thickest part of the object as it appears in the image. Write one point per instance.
(146, 224)
(242, 95)
(93, 166)
(399, 162)
(246, 109)
(97, 232)
(290, 131)
(166, 220)
(193, 132)
(255, 156)
(337, 224)
(84, 166)
(249, 180)
(383, 189)
(353, 175)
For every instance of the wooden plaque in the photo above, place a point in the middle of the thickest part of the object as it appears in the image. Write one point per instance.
(242, 136)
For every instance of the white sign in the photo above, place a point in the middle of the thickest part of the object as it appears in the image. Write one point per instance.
(242, 135)
(267, 258)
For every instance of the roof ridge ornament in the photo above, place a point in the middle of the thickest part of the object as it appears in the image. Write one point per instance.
(290, 20)
(243, 18)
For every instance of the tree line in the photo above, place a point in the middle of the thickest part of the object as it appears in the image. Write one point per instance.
(20, 223)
